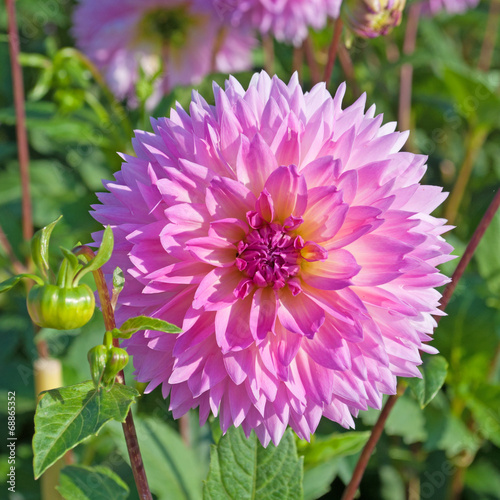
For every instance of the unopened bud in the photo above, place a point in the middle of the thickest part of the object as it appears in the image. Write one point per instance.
(372, 18)
(98, 358)
(117, 360)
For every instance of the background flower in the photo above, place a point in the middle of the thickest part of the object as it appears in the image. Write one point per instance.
(287, 20)
(291, 241)
(179, 40)
(432, 7)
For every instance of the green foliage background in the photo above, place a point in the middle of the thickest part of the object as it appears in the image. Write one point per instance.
(448, 449)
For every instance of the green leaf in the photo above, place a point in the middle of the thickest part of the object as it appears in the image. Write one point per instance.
(434, 371)
(175, 471)
(137, 323)
(406, 420)
(79, 482)
(323, 448)
(483, 477)
(67, 416)
(40, 248)
(71, 258)
(484, 402)
(322, 458)
(103, 255)
(240, 468)
(6, 285)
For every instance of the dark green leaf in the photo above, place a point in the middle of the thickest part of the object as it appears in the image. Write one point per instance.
(6, 285)
(79, 482)
(40, 248)
(434, 370)
(67, 416)
(240, 469)
(484, 403)
(137, 323)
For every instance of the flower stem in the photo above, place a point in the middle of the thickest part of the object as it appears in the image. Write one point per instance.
(406, 78)
(22, 136)
(268, 47)
(298, 55)
(134, 452)
(471, 248)
(475, 142)
(490, 36)
(332, 51)
(364, 458)
(311, 60)
(17, 265)
(22, 152)
(359, 470)
(348, 69)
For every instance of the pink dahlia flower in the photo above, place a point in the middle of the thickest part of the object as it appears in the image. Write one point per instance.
(180, 40)
(293, 244)
(287, 20)
(433, 7)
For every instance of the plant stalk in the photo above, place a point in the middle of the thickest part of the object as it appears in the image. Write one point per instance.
(406, 77)
(332, 51)
(490, 36)
(134, 451)
(475, 142)
(22, 136)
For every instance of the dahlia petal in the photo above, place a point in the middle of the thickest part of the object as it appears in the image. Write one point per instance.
(380, 258)
(288, 191)
(231, 229)
(263, 312)
(227, 198)
(232, 326)
(333, 273)
(255, 163)
(323, 171)
(212, 250)
(325, 214)
(215, 291)
(299, 314)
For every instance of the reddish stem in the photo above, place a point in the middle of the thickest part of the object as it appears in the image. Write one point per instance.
(17, 265)
(332, 51)
(406, 78)
(22, 136)
(311, 60)
(134, 452)
(469, 251)
(348, 68)
(490, 36)
(364, 458)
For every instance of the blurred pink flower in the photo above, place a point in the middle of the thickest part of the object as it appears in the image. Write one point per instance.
(432, 7)
(179, 40)
(291, 241)
(287, 20)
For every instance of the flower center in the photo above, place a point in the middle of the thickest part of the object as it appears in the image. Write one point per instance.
(168, 26)
(269, 256)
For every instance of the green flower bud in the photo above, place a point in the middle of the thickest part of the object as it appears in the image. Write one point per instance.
(372, 18)
(117, 361)
(52, 306)
(98, 357)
